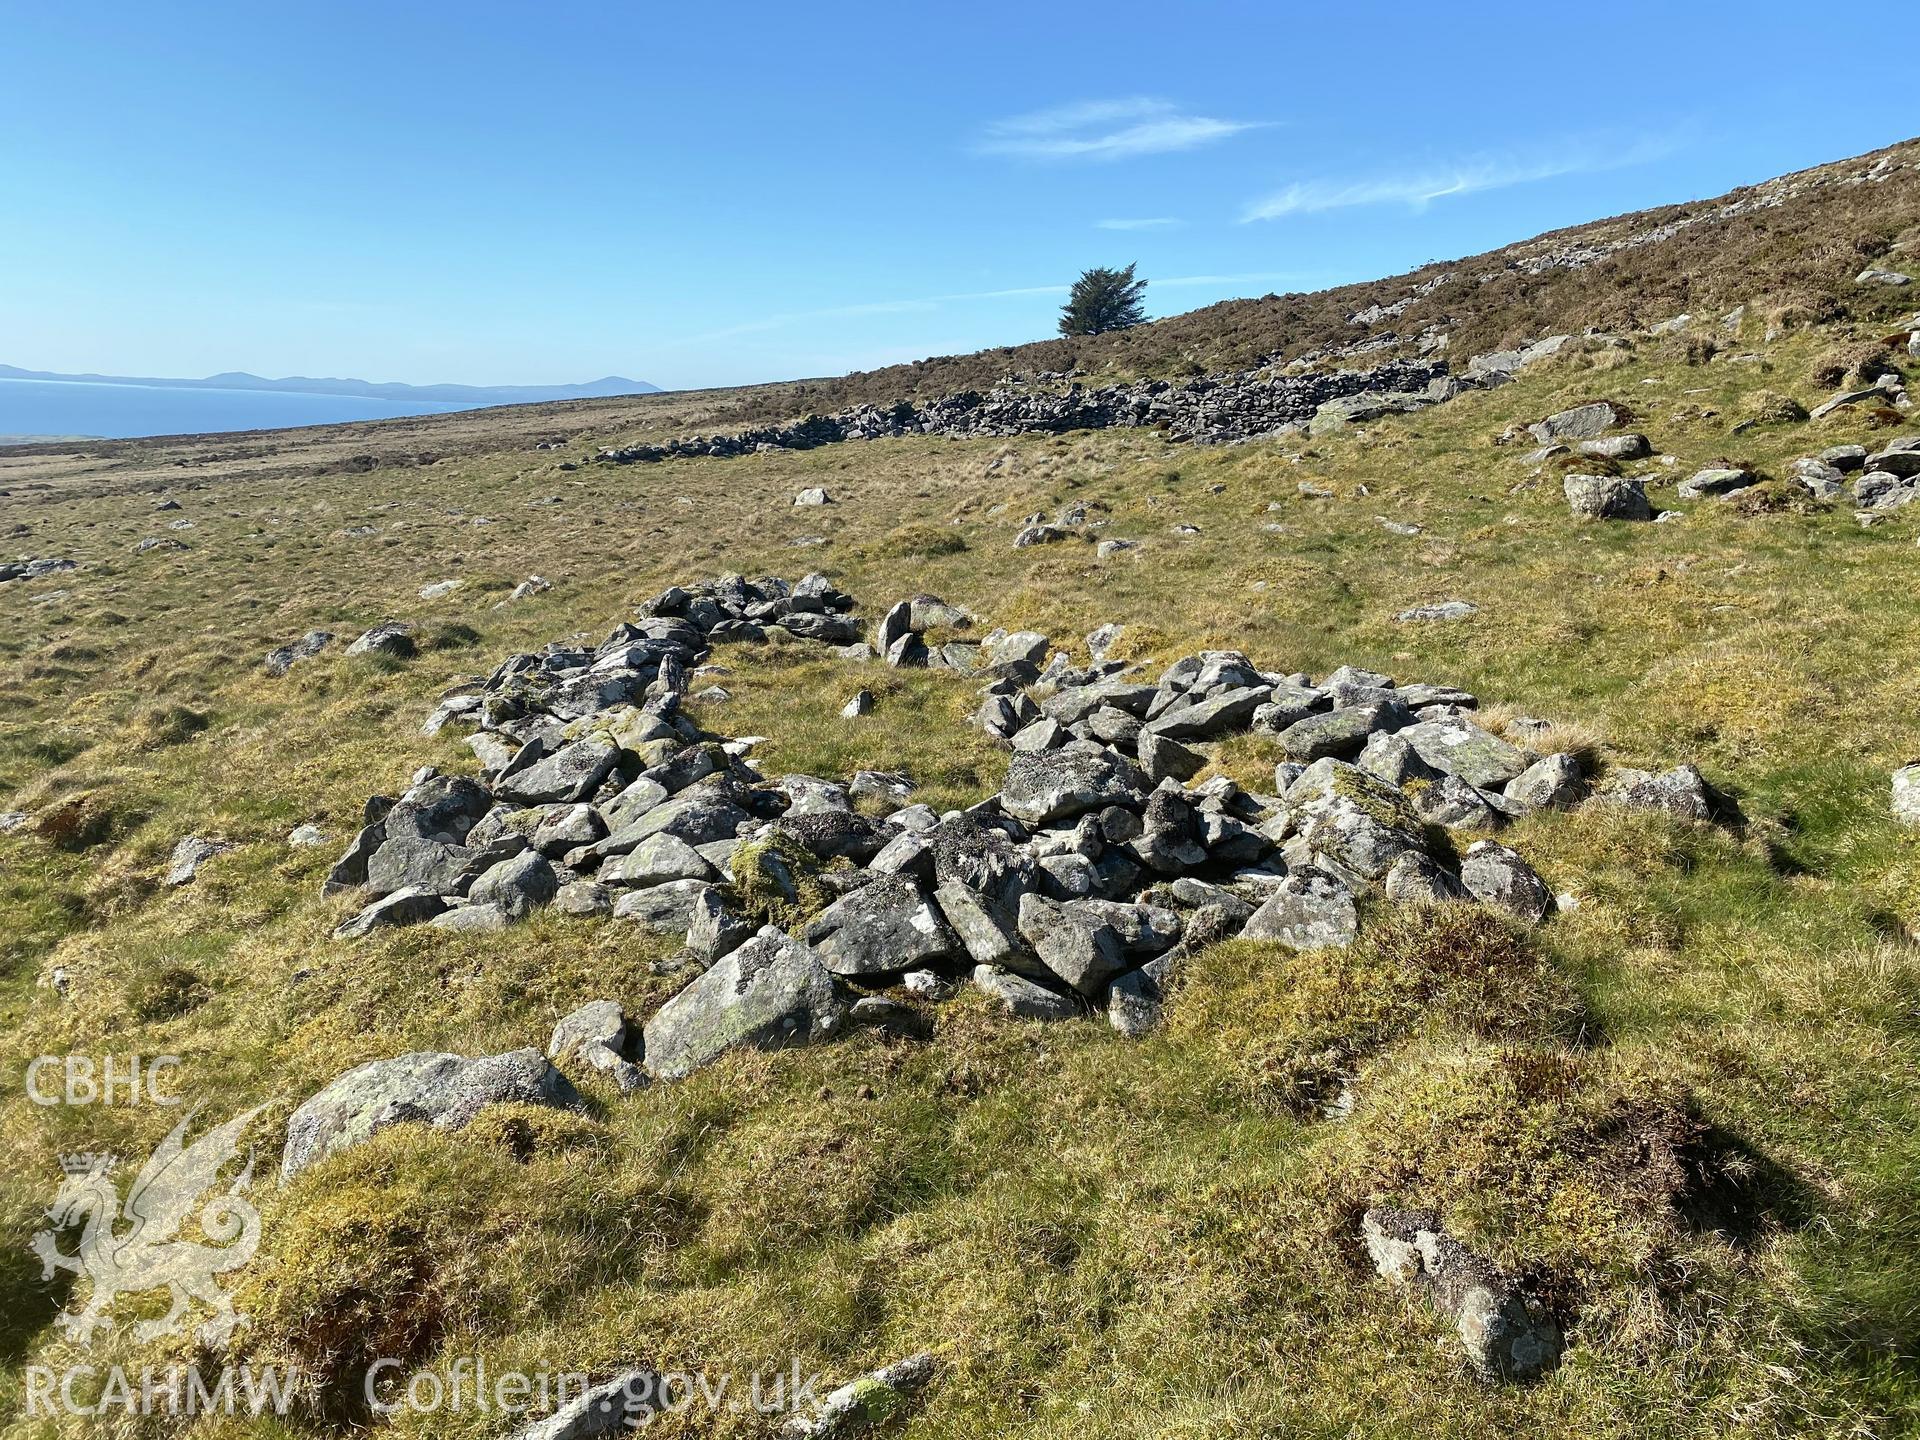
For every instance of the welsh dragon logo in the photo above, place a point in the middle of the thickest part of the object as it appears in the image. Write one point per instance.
(150, 1255)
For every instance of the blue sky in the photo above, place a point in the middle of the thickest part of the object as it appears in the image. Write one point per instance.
(715, 194)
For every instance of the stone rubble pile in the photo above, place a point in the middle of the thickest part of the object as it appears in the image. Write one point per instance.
(1886, 479)
(1213, 409)
(32, 569)
(1078, 887)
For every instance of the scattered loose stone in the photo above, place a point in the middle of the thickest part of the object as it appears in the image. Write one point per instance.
(1906, 795)
(1215, 409)
(598, 1037)
(621, 1406)
(392, 638)
(1583, 422)
(1497, 876)
(1023, 998)
(1308, 911)
(188, 856)
(1441, 610)
(1504, 1337)
(472, 918)
(866, 1401)
(1607, 497)
(882, 928)
(1069, 892)
(280, 661)
(1703, 483)
(1681, 792)
(413, 905)
(1617, 447)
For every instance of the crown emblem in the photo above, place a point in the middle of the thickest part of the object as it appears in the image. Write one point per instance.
(89, 1163)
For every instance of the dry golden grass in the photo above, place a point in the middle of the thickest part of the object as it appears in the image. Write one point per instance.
(1109, 1239)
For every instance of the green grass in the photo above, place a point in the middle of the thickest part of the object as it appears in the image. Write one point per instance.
(1111, 1239)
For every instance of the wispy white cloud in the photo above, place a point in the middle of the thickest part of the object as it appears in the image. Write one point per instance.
(1420, 188)
(1159, 222)
(1106, 130)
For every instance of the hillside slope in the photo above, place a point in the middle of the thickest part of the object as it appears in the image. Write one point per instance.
(1665, 1101)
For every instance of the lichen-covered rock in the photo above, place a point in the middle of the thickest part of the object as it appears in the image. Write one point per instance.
(662, 909)
(885, 927)
(411, 906)
(391, 639)
(833, 835)
(770, 993)
(1073, 942)
(1452, 803)
(1420, 880)
(657, 860)
(1496, 875)
(1024, 998)
(1906, 795)
(1204, 720)
(484, 919)
(1309, 911)
(517, 885)
(1055, 785)
(1133, 1004)
(1551, 783)
(1583, 422)
(1681, 792)
(987, 929)
(437, 1089)
(868, 1401)
(1352, 819)
(1717, 480)
(1607, 497)
(1459, 747)
(597, 1036)
(583, 898)
(189, 855)
(1504, 1337)
(1165, 759)
(621, 1406)
(571, 773)
(1340, 734)
(715, 929)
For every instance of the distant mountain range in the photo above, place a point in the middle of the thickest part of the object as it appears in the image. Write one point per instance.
(363, 389)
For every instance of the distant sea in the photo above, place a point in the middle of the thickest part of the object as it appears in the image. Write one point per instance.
(71, 408)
